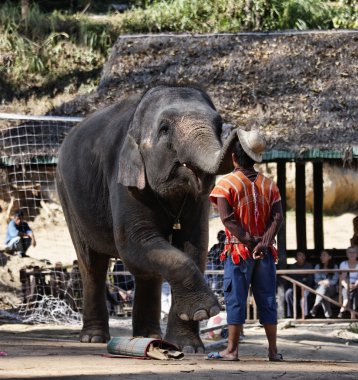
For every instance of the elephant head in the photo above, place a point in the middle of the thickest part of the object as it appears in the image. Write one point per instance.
(173, 143)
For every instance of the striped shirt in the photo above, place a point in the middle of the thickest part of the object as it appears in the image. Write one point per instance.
(252, 201)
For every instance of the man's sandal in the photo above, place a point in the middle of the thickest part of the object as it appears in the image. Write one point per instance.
(215, 355)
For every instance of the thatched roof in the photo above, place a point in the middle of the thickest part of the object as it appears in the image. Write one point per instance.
(300, 89)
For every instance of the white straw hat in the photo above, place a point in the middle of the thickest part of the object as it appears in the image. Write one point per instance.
(252, 143)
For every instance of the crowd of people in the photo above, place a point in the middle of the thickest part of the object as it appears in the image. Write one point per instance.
(56, 282)
(325, 284)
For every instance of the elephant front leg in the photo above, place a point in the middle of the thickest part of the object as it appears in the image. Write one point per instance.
(185, 334)
(95, 315)
(147, 307)
(192, 302)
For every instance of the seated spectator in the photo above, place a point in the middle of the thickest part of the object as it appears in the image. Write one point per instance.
(124, 283)
(38, 287)
(351, 279)
(19, 236)
(306, 279)
(166, 300)
(75, 287)
(325, 283)
(58, 281)
(215, 281)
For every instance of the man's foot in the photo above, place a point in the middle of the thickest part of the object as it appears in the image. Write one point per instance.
(276, 357)
(343, 314)
(215, 355)
(313, 312)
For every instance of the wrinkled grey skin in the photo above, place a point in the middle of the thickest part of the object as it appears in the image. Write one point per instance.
(122, 175)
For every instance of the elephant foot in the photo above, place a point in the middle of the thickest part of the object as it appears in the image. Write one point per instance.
(94, 335)
(187, 344)
(198, 308)
(147, 332)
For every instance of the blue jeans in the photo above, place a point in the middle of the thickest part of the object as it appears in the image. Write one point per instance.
(289, 301)
(261, 275)
(19, 244)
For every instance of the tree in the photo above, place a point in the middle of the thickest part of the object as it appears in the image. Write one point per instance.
(24, 9)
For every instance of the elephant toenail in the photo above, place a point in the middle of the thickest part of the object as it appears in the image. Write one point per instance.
(97, 339)
(184, 317)
(214, 310)
(200, 350)
(188, 350)
(200, 315)
(85, 339)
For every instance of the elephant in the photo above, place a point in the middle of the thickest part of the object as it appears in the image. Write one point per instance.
(134, 181)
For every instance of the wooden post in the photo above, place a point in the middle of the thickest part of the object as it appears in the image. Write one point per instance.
(281, 236)
(24, 10)
(318, 206)
(301, 207)
(294, 301)
(281, 240)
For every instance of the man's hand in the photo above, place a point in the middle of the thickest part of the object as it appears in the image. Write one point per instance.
(259, 252)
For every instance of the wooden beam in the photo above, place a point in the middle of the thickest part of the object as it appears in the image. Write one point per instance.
(281, 240)
(301, 206)
(318, 206)
(281, 236)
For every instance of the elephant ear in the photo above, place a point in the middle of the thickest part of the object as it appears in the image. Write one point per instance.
(131, 171)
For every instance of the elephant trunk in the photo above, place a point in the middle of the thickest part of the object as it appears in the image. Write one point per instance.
(207, 153)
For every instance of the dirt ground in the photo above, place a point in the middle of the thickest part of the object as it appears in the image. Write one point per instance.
(311, 351)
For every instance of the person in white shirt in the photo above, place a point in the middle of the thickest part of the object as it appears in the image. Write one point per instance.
(351, 278)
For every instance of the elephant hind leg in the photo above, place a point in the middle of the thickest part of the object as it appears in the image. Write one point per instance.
(95, 314)
(147, 307)
(93, 268)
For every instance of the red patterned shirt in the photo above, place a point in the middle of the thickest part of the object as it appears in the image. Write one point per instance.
(251, 200)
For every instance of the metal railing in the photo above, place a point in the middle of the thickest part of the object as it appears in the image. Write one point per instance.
(284, 273)
(32, 287)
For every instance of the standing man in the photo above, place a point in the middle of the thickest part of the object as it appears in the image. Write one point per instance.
(250, 208)
(19, 235)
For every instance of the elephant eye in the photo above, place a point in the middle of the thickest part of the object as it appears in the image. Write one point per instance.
(164, 129)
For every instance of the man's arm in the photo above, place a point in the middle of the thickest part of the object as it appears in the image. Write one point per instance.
(33, 242)
(12, 230)
(30, 233)
(228, 218)
(272, 227)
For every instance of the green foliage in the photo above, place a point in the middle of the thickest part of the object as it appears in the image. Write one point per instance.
(237, 15)
(306, 14)
(47, 46)
(345, 15)
(353, 328)
(184, 15)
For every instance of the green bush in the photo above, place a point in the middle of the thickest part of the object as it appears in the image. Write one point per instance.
(47, 46)
(353, 328)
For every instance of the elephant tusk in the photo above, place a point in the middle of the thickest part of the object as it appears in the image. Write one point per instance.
(184, 164)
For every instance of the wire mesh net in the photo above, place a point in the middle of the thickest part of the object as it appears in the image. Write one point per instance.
(29, 148)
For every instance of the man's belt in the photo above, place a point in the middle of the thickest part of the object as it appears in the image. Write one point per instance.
(237, 251)
(232, 240)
